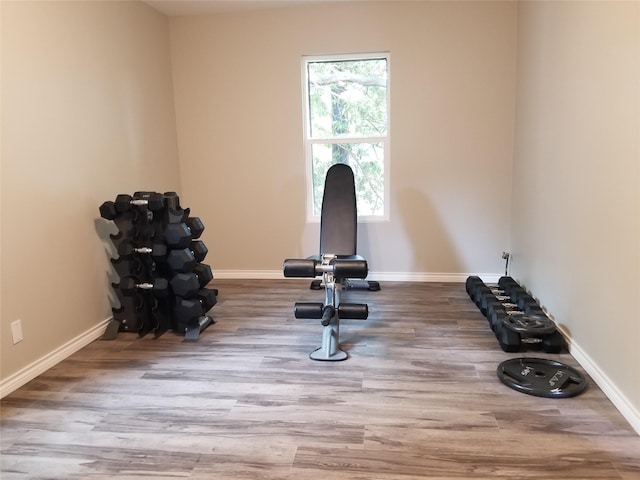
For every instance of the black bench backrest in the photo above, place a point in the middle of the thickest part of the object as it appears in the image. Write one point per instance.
(339, 217)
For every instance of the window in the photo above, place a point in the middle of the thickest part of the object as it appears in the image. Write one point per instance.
(347, 121)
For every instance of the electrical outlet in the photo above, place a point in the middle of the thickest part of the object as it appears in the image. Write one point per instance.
(16, 331)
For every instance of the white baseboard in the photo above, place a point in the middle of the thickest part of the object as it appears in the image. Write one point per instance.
(624, 406)
(28, 373)
(248, 274)
(373, 275)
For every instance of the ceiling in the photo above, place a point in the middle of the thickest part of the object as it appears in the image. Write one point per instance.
(175, 8)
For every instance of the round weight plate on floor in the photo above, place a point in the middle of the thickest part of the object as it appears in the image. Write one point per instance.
(529, 325)
(541, 377)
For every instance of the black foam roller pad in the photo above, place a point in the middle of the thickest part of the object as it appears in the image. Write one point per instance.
(300, 268)
(350, 268)
(308, 310)
(353, 311)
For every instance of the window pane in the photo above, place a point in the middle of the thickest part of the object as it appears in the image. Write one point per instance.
(367, 162)
(348, 98)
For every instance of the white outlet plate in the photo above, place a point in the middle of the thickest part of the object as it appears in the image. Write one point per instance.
(16, 331)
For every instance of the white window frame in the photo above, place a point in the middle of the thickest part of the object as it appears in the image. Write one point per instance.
(308, 141)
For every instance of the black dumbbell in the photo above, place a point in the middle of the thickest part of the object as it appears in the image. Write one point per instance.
(514, 290)
(204, 273)
(153, 201)
(196, 226)
(199, 250)
(208, 297)
(108, 210)
(508, 285)
(174, 216)
(129, 286)
(516, 293)
(528, 304)
(487, 301)
(481, 291)
(509, 340)
(184, 260)
(180, 235)
(173, 200)
(158, 251)
(505, 282)
(187, 284)
(188, 312)
(495, 308)
(553, 343)
(471, 284)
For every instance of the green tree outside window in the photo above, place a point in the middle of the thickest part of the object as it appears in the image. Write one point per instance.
(348, 123)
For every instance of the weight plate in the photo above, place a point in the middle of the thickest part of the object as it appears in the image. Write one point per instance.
(528, 324)
(541, 377)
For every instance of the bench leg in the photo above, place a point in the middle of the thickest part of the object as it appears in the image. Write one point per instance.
(330, 349)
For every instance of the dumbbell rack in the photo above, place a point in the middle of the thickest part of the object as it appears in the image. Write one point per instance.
(514, 315)
(162, 278)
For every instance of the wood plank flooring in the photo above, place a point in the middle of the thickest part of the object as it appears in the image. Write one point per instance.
(418, 398)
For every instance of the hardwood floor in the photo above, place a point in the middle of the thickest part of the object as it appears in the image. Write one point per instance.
(417, 398)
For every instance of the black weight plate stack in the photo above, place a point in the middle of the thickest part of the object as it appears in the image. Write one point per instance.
(541, 377)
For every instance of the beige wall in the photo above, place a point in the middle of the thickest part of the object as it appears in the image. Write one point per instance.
(87, 112)
(576, 200)
(239, 116)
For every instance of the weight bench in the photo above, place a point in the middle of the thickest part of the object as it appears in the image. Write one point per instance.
(338, 264)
